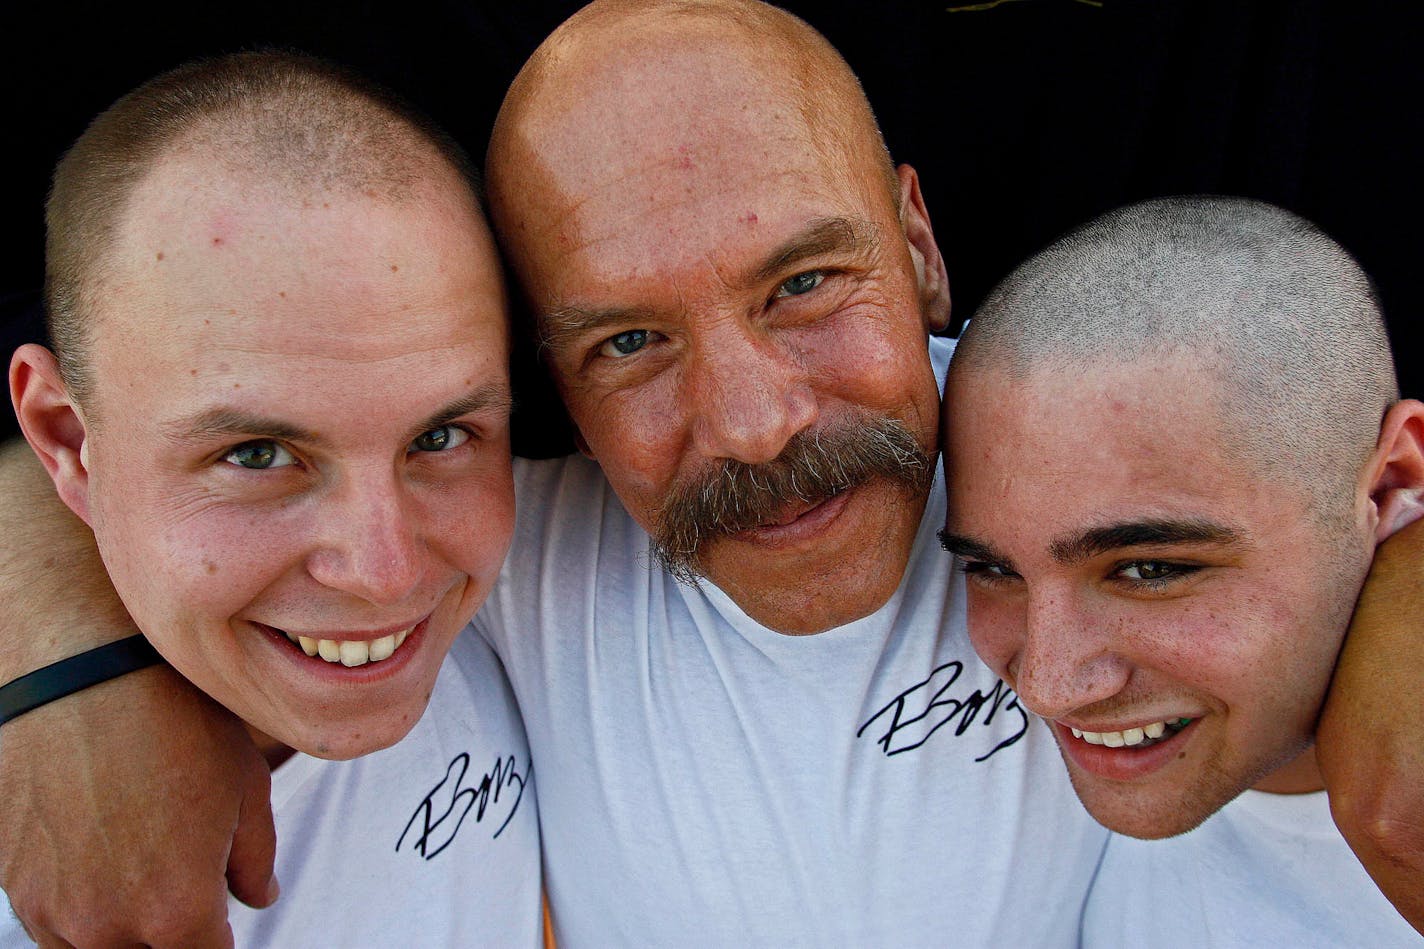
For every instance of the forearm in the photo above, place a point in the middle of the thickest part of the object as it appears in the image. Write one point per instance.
(1371, 736)
(55, 598)
(124, 803)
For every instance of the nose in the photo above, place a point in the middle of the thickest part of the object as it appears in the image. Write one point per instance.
(370, 546)
(1069, 658)
(747, 395)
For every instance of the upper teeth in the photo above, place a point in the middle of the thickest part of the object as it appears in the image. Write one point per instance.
(1132, 736)
(351, 652)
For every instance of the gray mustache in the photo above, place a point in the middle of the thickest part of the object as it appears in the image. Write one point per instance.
(815, 465)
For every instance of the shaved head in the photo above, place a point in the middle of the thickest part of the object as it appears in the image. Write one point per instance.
(282, 123)
(1276, 321)
(621, 77)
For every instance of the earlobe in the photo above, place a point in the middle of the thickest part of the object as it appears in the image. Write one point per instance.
(929, 264)
(53, 425)
(1397, 469)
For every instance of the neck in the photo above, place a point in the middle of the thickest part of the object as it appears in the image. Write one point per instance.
(1299, 776)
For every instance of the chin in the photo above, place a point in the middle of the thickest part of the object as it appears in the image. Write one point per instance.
(1144, 814)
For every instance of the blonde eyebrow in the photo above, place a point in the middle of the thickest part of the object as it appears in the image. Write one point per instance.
(226, 422)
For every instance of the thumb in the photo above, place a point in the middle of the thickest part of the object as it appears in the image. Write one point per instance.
(250, 863)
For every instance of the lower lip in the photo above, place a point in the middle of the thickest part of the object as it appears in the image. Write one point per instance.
(335, 671)
(1126, 763)
(804, 527)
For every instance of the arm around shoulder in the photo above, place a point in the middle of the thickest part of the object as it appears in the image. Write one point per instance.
(1370, 742)
(119, 815)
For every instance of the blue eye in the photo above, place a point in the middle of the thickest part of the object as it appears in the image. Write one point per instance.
(624, 344)
(801, 283)
(260, 455)
(443, 438)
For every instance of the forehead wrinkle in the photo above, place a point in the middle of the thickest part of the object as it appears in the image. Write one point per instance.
(1155, 531)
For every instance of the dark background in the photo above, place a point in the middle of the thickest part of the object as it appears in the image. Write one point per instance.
(1024, 117)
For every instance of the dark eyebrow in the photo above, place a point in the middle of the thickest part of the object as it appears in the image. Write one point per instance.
(1138, 533)
(965, 548)
(559, 324)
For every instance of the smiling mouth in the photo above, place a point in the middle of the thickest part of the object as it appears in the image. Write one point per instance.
(1140, 737)
(351, 652)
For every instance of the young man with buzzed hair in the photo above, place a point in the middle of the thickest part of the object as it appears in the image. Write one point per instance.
(735, 291)
(1173, 442)
(280, 397)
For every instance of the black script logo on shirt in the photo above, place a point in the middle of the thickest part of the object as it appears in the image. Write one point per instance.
(442, 812)
(924, 708)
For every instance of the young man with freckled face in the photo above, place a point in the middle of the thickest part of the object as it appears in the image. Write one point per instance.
(281, 401)
(1165, 514)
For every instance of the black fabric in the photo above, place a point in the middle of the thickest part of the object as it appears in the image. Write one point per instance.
(1024, 117)
(68, 676)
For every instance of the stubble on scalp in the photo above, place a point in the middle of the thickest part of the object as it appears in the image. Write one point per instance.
(814, 466)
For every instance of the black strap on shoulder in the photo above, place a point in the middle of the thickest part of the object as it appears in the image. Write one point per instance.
(68, 676)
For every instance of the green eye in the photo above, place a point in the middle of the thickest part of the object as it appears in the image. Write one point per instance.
(801, 283)
(443, 438)
(624, 344)
(260, 455)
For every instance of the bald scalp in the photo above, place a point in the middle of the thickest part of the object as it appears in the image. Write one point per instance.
(1277, 319)
(585, 65)
(285, 122)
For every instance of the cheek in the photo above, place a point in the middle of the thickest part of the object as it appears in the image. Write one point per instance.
(638, 436)
(996, 629)
(474, 525)
(873, 361)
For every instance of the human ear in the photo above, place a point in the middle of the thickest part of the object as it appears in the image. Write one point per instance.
(52, 423)
(1396, 470)
(929, 264)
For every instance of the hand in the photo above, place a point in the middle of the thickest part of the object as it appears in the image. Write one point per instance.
(1370, 743)
(130, 808)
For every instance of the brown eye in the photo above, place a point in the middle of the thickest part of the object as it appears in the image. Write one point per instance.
(1155, 571)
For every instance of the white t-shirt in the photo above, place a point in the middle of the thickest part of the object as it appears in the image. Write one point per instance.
(1266, 870)
(706, 781)
(433, 841)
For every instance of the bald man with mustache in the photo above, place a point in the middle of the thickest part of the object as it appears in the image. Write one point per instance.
(740, 657)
